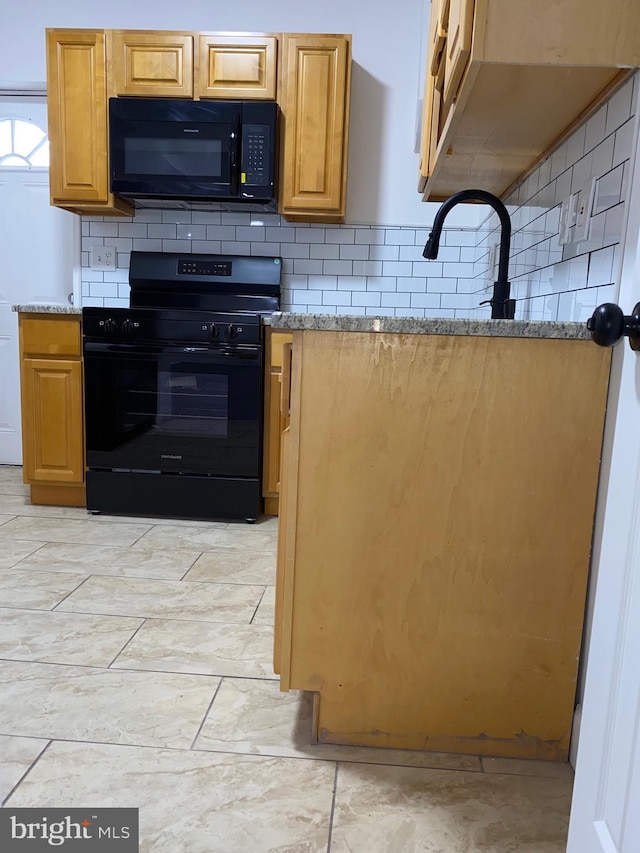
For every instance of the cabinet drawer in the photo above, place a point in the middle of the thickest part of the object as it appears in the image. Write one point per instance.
(50, 336)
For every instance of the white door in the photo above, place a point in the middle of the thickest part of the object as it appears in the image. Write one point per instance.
(37, 248)
(605, 813)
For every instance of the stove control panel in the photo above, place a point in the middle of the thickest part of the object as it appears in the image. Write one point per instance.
(170, 327)
(186, 267)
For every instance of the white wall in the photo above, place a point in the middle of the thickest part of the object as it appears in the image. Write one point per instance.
(388, 43)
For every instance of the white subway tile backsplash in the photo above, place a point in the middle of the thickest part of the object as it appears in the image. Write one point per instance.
(441, 285)
(310, 235)
(382, 283)
(132, 229)
(415, 284)
(576, 146)
(396, 300)
(384, 253)
(323, 282)
(336, 297)
(369, 236)
(103, 229)
(602, 157)
(250, 233)
(203, 247)
(340, 235)
(614, 219)
(595, 128)
(186, 231)
(176, 216)
(395, 268)
(167, 230)
(366, 298)
(337, 267)
(608, 190)
(619, 107)
(221, 232)
(352, 282)
(352, 252)
(380, 312)
(326, 252)
(232, 247)
(367, 267)
(176, 246)
(295, 250)
(400, 237)
(600, 267)
(308, 267)
(622, 148)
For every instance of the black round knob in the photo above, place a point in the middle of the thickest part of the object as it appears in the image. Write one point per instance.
(110, 326)
(127, 326)
(214, 330)
(606, 324)
(231, 331)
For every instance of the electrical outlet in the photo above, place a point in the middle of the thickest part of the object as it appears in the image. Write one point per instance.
(583, 215)
(103, 257)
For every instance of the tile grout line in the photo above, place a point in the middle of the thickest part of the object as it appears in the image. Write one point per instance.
(333, 807)
(75, 589)
(4, 802)
(204, 719)
(127, 643)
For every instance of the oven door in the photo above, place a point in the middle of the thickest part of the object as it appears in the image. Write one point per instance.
(170, 148)
(173, 409)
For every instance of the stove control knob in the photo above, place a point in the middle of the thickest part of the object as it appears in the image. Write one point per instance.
(215, 331)
(231, 331)
(127, 326)
(110, 326)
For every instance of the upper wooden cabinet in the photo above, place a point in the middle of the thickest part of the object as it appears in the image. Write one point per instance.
(77, 91)
(310, 80)
(153, 64)
(315, 94)
(505, 81)
(236, 66)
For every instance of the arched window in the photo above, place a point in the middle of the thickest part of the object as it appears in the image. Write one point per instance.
(23, 145)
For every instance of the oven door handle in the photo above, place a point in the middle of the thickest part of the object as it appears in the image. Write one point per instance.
(247, 353)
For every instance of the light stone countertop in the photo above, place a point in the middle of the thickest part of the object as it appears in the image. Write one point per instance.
(429, 326)
(46, 309)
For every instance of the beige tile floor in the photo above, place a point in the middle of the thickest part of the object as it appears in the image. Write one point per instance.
(135, 661)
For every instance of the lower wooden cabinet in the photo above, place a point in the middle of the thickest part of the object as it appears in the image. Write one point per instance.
(274, 418)
(438, 497)
(52, 408)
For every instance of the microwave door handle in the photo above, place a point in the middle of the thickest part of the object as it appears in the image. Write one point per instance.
(233, 162)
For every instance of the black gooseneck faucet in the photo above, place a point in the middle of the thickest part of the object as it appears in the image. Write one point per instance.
(502, 307)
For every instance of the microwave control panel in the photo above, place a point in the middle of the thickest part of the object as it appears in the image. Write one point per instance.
(255, 154)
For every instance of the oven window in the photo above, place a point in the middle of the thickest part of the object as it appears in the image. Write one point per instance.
(175, 414)
(173, 157)
(190, 400)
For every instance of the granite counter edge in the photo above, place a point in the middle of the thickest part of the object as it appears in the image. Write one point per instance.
(429, 326)
(46, 309)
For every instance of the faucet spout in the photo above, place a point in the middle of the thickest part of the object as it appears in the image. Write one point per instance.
(502, 307)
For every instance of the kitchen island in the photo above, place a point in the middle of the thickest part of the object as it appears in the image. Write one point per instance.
(438, 489)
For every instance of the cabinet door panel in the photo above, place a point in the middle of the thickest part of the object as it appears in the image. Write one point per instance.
(77, 107)
(153, 64)
(236, 67)
(52, 426)
(316, 100)
(458, 45)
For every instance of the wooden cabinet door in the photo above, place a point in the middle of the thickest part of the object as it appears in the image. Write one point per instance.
(458, 45)
(77, 108)
(52, 422)
(435, 44)
(236, 67)
(316, 79)
(153, 64)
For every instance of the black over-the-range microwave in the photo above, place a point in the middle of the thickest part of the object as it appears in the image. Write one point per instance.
(165, 149)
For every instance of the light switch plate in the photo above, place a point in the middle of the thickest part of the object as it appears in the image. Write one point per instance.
(583, 216)
(103, 257)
